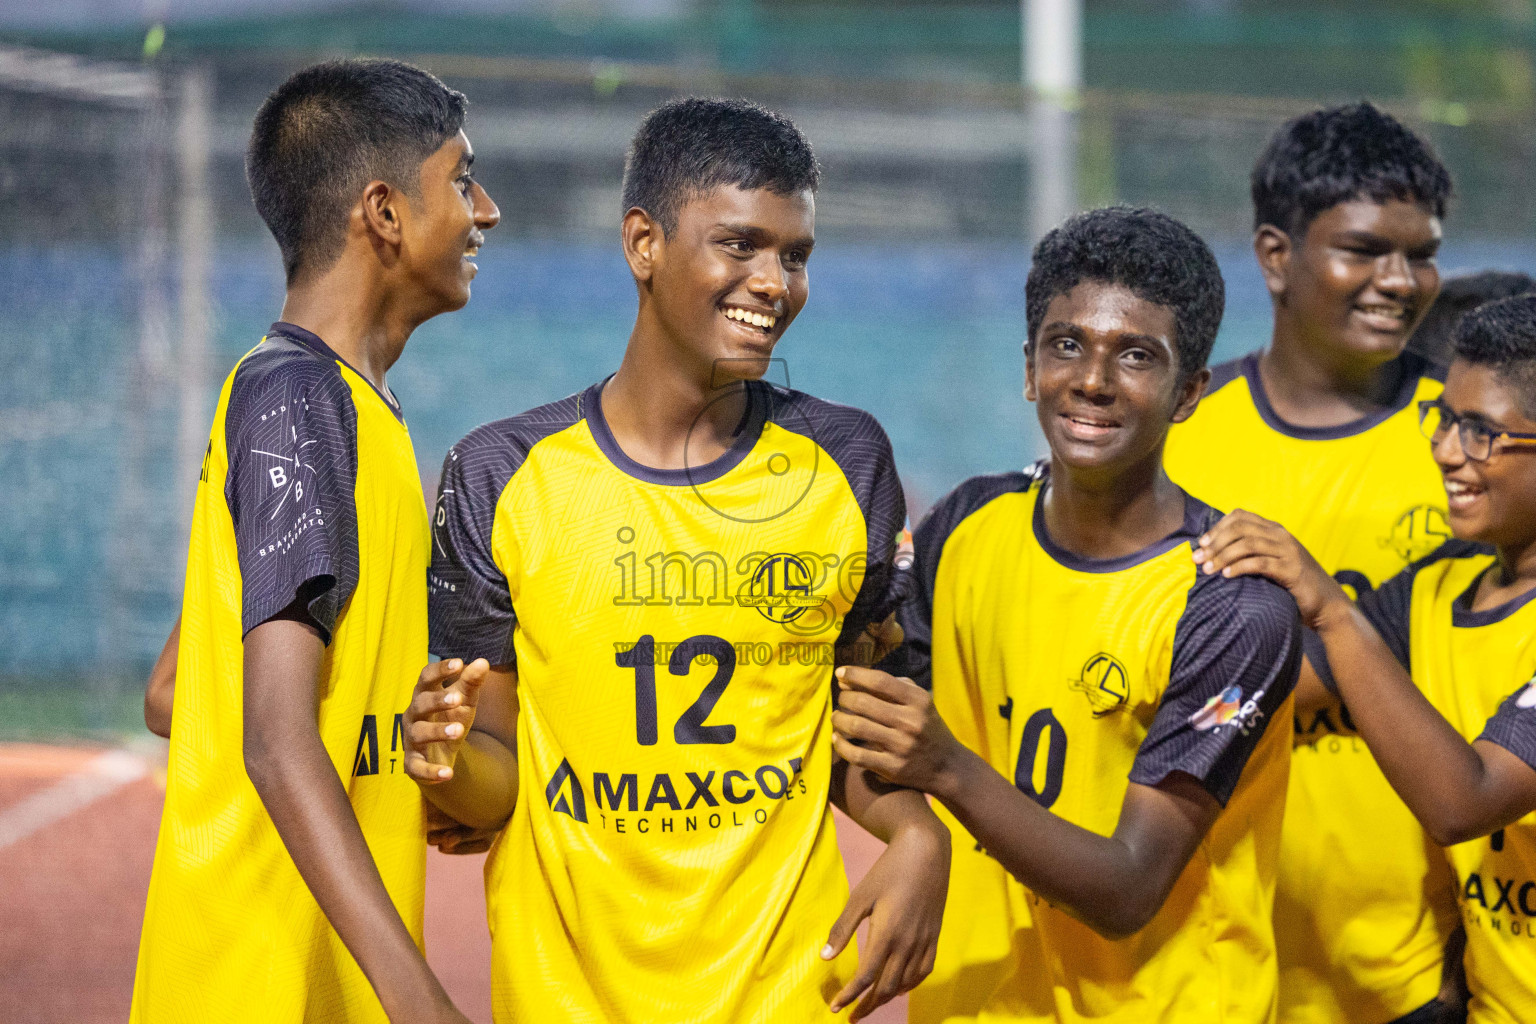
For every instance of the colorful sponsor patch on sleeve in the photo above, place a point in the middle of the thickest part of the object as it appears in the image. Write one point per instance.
(1219, 710)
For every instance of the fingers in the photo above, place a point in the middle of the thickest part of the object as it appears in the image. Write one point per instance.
(846, 924)
(885, 989)
(439, 673)
(881, 684)
(424, 731)
(876, 709)
(882, 764)
(426, 772)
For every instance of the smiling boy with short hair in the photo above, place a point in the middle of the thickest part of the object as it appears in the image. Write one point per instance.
(1318, 432)
(290, 869)
(660, 569)
(1099, 726)
(1438, 664)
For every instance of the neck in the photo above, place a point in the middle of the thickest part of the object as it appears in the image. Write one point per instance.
(1110, 514)
(355, 314)
(665, 409)
(1312, 386)
(1517, 565)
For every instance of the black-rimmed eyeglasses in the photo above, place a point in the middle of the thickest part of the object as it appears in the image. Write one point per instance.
(1477, 438)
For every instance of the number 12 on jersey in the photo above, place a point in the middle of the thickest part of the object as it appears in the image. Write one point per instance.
(690, 727)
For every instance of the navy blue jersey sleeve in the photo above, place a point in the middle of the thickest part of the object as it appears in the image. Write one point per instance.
(290, 431)
(916, 581)
(1236, 656)
(1386, 608)
(469, 600)
(1513, 726)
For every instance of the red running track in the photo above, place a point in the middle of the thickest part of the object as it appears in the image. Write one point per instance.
(77, 837)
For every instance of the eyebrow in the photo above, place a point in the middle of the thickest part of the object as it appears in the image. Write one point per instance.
(1063, 325)
(756, 232)
(1371, 238)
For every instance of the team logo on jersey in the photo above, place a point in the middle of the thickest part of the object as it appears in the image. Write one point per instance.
(781, 588)
(1417, 532)
(565, 794)
(1105, 683)
(1527, 698)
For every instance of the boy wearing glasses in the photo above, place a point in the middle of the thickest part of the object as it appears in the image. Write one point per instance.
(1438, 665)
(1319, 431)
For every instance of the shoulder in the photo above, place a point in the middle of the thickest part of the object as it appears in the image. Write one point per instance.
(1223, 374)
(280, 370)
(974, 495)
(1451, 550)
(498, 449)
(1220, 608)
(840, 429)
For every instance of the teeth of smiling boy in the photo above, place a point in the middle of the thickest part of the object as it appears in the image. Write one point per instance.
(748, 317)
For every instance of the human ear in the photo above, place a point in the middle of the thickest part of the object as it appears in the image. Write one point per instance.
(1029, 371)
(382, 214)
(1272, 248)
(643, 242)
(1190, 394)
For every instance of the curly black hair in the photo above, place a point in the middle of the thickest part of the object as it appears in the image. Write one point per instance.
(689, 147)
(1459, 294)
(329, 130)
(1502, 335)
(1337, 154)
(1150, 253)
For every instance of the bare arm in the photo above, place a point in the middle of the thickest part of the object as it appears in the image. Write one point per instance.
(461, 740)
(160, 691)
(300, 789)
(1457, 790)
(1114, 884)
(903, 893)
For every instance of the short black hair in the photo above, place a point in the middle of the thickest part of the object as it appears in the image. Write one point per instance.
(1460, 294)
(1156, 257)
(690, 147)
(328, 131)
(1502, 334)
(1337, 154)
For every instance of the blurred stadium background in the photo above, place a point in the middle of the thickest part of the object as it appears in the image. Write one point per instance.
(133, 270)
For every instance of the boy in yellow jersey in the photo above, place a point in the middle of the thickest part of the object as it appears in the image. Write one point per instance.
(1438, 664)
(663, 569)
(288, 876)
(1318, 432)
(1098, 727)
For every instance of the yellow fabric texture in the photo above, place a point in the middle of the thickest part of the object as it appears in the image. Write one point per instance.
(619, 892)
(1016, 630)
(1364, 902)
(231, 932)
(1466, 672)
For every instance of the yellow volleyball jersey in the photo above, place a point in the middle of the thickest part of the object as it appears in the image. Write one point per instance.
(309, 488)
(1074, 678)
(1478, 668)
(1364, 903)
(671, 856)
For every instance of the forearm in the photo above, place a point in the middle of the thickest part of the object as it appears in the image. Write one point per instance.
(879, 807)
(1098, 879)
(483, 790)
(302, 793)
(160, 691)
(1455, 800)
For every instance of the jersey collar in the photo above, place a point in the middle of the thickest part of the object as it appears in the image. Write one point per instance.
(1414, 368)
(312, 341)
(1463, 617)
(746, 435)
(1195, 523)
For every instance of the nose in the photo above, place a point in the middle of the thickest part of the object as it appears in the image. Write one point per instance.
(487, 214)
(1394, 277)
(1447, 451)
(1095, 377)
(768, 281)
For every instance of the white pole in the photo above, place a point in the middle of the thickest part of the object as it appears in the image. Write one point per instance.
(1053, 78)
(194, 245)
